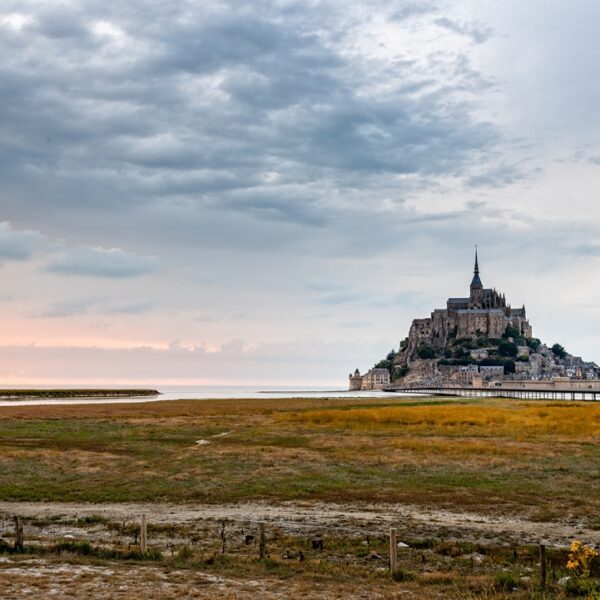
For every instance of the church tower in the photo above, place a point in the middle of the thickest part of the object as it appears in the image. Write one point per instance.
(476, 296)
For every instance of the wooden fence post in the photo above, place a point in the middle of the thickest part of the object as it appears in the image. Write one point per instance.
(543, 564)
(144, 533)
(223, 537)
(18, 534)
(261, 543)
(393, 552)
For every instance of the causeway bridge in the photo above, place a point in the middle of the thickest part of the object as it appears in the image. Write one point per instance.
(550, 393)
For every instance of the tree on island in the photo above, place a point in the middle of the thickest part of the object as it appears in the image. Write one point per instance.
(559, 351)
(506, 348)
(387, 362)
(511, 332)
(400, 372)
(426, 352)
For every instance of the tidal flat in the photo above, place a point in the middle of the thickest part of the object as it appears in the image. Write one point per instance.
(471, 485)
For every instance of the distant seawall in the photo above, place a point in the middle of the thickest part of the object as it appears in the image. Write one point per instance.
(20, 394)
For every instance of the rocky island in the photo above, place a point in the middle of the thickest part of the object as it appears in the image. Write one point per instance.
(477, 341)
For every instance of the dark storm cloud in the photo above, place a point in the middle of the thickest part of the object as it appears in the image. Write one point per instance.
(233, 107)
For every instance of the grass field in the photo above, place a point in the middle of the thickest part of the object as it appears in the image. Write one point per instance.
(541, 459)
(501, 458)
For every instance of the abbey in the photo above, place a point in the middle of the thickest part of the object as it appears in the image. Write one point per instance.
(484, 313)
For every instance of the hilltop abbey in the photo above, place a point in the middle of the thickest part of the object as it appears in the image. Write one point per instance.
(476, 336)
(484, 313)
(477, 340)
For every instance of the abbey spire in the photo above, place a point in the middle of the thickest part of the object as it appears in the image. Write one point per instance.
(476, 282)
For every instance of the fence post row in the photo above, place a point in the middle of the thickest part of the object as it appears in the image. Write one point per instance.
(393, 546)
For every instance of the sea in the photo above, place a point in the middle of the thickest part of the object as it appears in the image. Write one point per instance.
(202, 392)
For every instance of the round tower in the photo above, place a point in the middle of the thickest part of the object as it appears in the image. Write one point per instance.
(355, 381)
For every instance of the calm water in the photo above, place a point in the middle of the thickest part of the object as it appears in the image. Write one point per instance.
(174, 392)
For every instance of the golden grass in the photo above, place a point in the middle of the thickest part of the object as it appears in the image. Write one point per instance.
(572, 421)
(182, 410)
(495, 455)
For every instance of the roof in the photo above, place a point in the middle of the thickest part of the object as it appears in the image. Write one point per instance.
(476, 282)
(481, 310)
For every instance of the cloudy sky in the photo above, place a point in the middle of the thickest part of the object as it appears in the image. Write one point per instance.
(269, 192)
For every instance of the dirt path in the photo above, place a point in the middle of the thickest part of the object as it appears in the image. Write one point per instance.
(310, 517)
(36, 578)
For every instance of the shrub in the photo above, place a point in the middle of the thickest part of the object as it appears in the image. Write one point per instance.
(84, 548)
(509, 367)
(403, 575)
(460, 362)
(400, 372)
(511, 332)
(491, 362)
(559, 351)
(426, 352)
(184, 557)
(507, 580)
(387, 362)
(463, 362)
(506, 348)
(460, 353)
(383, 364)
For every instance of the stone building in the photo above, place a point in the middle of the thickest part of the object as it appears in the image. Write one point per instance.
(484, 313)
(374, 379)
(355, 381)
(467, 373)
(491, 372)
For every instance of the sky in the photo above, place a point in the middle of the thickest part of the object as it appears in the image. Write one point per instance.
(268, 192)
